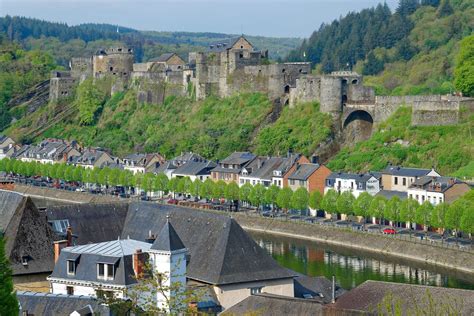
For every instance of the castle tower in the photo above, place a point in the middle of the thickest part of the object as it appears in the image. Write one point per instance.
(168, 257)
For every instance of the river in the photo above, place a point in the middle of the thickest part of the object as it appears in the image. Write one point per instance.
(352, 268)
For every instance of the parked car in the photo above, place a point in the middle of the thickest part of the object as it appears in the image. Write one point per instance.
(173, 201)
(389, 231)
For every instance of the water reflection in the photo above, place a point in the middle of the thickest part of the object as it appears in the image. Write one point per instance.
(352, 269)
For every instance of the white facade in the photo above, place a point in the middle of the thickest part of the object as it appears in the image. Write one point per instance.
(77, 287)
(421, 196)
(134, 169)
(372, 186)
(201, 177)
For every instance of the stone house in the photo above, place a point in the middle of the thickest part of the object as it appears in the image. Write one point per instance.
(287, 167)
(396, 178)
(310, 176)
(229, 169)
(437, 190)
(354, 183)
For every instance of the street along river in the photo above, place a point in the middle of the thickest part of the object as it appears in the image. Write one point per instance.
(351, 267)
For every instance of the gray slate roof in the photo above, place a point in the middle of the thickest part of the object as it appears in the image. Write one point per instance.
(163, 57)
(320, 288)
(224, 44)
(56, 304)
(275, 305)
(168, 239)
(364, 177)
(435, 184)
(369, 294)
(267, 165)
(221, 252)
(238, 158)
(304, 171)
(193, 168)
(407, 172)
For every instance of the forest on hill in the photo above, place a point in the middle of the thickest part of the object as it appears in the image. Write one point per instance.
(409, 51)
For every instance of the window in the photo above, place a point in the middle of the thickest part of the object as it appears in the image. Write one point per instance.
(302, 183)
(100, 271)
(395, 180)
(292, 182)
(404, 181)
(440, 199)
(24, 260)
(423, 198)
(255, 290)
(71, 267)
(70, 290)
(105, 271)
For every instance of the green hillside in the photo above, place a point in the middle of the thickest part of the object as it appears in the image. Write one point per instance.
(450, 149)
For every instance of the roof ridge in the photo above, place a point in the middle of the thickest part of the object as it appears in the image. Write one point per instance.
(221, 263)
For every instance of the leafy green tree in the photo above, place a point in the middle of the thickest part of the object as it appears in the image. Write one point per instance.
(377, 207)
(218, 189)
(78, 174)
(245, 192)
(147, 184)
(392, 209)
(464, 71)
(173, 185)
(114, 177)
(345, 203)
(423, 214)
(467, 220)
(89, 100)
(445, 9)
(438, 215)
(257, 195)
(300, 199)
(362, 205)
(195, 187)
(315, 199)
(372, 65)
(271, 195)
(160, 183)
(206, 189)
(329, 202)
(231, 192)
(454, 214)
(284, 198)
(8, 301)
(408, 209)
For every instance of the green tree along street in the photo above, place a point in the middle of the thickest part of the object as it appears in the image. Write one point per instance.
(457, 216)
(8, 301)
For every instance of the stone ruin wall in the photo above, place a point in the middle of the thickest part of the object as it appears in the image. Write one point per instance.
(81, 68)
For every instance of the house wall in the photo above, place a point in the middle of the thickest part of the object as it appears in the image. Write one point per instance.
(301, 160)
(229, 295)
(388, 183)
(317, 181)
(421, 195)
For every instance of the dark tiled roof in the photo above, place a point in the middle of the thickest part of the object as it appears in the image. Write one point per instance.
(364, 177)
(221, 252)
(238, 158)
(193, 168)
(369, 294)
(304, 171)
(224, 44)
(226, 170)
(273, 305)
(389, 194)
(27, 234)
(435, 184)
(56, 304)
(92, 223)
(118, 252)
(266, 164)
(320, 288)
(168, 239)
(163, 58)
(407, 172)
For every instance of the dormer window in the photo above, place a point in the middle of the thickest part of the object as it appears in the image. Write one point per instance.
(71, 267)
(24, 260)
(105, 271)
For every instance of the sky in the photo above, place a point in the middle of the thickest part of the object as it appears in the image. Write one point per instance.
(276, 18)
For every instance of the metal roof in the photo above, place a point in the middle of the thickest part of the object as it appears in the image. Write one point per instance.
(115, 248)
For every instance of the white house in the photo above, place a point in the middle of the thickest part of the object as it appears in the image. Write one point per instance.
(355, 183)
(437, 190)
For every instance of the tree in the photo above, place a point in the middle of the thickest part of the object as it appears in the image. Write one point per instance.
(184, 185)
(245, 192)
(423, 214)
(445, 9)
(467, 220)
(407, 210)
(89, 100)
(345, 202)
(271, 195)
(392, 209)
(173, 185)
(207, 189)
(464, 71)
(438, 215)
(315, 199)
(195, 187)
(362, 205)
(160, 183)
(231, 192)
(372, 65)
(256, 195)
(407, 7)
(377, 207)
(454, 214)
(8, 301)
(300, 198)
(218, 189)
(329, 202)
(284, 198)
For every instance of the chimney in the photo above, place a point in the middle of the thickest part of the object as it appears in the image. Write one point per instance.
(139, 258)
(69, 236)
(151, 238)
(315, 159)
(259, 163)
(58, 246)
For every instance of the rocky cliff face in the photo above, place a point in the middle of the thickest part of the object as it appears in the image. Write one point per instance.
(33, 98)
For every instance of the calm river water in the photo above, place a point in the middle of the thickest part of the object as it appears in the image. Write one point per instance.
(352, 268)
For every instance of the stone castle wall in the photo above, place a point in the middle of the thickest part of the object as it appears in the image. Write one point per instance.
(61, 85)
(81, 68)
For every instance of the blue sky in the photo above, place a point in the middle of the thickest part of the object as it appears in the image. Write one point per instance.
(280, 18)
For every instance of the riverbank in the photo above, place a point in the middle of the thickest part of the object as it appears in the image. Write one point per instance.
(430, 254)
(385, 245)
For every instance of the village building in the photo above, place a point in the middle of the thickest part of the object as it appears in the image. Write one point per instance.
(310, 176)
(168, 167)
(194, 170)
(229, 169)
(287, 167)
(437, 190)
(50, 151)
(141, 163)
(260, 171)
(354, 183)
(92, 158)
(6, 145)
(396, 178)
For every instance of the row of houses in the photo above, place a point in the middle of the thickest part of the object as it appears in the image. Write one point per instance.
(293, 171)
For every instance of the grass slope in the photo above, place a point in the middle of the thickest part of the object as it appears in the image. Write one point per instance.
(450, 149)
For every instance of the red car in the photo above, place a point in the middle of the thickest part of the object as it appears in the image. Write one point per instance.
(389, 231)
(173, 201)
